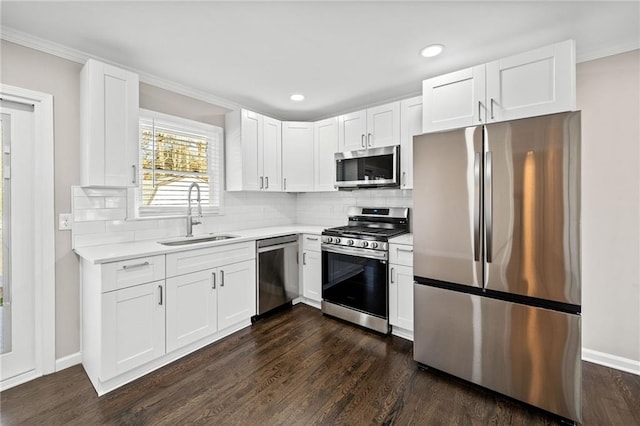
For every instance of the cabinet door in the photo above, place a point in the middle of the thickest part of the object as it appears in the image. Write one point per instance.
(109, 125)
(133, 327)
(352, 131)
(297, 156)
(454, 100)
(251, 135)
(410, 125)
(236, 293)
(191, 308)
(401, 296)
(325, 147)
(538, 82)
(272, 154)
(312, 275)
(383, 125)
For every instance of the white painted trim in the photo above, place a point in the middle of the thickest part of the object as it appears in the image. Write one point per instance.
(18, 380)
(611, 361)
(27, 40)
(401, 332)
(68, 361)
(44, 229)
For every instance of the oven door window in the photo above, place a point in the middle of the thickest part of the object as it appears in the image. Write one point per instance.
(355, 282)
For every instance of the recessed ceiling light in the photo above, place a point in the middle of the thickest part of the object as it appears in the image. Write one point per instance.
(297, 97)
(432, 50)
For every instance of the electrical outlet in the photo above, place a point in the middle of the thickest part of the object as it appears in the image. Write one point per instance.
(64, 221)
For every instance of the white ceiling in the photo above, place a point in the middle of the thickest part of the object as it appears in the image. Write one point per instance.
(340, 55)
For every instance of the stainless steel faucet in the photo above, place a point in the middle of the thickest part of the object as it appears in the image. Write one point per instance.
(190, 220)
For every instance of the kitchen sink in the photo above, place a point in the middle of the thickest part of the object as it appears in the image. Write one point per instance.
(195, 240)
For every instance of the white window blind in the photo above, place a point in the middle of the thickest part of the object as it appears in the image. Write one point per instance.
(174, 153)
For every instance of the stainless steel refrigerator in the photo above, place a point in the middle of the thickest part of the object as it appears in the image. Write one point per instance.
(497, 258)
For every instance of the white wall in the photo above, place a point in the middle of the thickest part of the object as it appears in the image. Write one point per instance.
(608, 93)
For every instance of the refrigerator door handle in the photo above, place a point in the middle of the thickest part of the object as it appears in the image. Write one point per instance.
(478, 206)
(488, 204)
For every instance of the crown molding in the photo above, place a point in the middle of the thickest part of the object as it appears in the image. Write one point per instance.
(608, 51)
(68, 53)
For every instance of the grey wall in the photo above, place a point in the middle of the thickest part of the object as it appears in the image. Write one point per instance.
(608, 93)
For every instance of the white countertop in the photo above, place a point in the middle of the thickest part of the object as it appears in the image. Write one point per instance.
(131, 250)
(402, 239)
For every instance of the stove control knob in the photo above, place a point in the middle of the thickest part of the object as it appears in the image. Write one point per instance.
(329, 240)
(374, 245)
(337, 241)
(350, 242)
(365, 244)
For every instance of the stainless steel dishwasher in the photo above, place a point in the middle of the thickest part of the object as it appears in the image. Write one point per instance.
(277, 272)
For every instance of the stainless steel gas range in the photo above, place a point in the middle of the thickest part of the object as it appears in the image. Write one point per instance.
(355, 265)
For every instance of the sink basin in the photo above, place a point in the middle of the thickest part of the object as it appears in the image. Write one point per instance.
(195, 240)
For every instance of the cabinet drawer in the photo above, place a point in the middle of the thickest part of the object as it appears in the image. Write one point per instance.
(127, 273)
(185, 262)
(311, 242)
(400, 254)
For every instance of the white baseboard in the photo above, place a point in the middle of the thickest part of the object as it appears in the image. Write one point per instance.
(68, 361)
(612, 361)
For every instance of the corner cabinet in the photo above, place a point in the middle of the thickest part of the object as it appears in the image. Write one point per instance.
(109, 126)
(297, 156)
(537, 82)
(372, 128)
(253, 152)
(401, 290)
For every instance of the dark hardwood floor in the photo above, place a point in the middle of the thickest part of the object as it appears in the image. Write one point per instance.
(299, 367)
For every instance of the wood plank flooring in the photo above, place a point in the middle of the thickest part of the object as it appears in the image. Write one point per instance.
(300, 368)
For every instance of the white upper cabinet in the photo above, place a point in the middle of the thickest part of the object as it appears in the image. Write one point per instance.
(109, 125)
(538, 82)
(454, 100)
(411, 125)
(271, 155)
(371, 128)
(353, 130)
(325, 146)
(297, 156)
(383, 125)
(253, 152)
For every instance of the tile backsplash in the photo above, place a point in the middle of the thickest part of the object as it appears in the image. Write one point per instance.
(99, 214)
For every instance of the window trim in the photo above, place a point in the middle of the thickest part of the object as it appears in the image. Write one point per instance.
(216, 136)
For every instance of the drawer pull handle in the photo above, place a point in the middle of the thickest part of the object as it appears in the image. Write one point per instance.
(312, 239)
(137, 265)
(406, 250)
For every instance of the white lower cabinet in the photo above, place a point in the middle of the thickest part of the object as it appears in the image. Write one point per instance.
(191, 308)
(133, 330)
(311, 267)
(236, 293)
(401, 290)
(134, 320)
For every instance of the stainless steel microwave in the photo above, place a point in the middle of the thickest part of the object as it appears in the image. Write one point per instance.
(368, 168)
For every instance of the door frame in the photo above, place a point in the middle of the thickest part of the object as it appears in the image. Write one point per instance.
(44, 229)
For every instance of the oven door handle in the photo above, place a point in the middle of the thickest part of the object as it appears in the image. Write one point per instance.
(354, 251)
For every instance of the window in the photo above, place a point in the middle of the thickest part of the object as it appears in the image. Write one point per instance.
(174, 153)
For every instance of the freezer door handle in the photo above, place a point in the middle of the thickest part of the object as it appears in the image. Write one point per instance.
(488, 204)
(477, 207)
